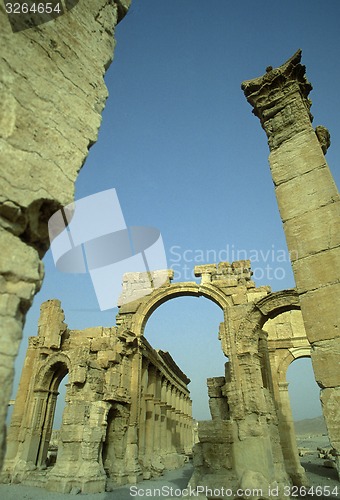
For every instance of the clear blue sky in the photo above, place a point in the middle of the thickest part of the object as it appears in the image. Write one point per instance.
(181, 146)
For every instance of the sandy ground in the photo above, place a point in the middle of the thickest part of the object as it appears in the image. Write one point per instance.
(318, 474)
(175, 481)
(172, 481)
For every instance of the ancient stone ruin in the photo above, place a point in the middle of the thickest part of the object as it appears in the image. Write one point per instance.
(128, 411)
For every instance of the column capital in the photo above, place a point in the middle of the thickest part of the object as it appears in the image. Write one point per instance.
(283, 386)
(271, 96)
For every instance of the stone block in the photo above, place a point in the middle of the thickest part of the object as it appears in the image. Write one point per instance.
(215, 431)
(296, 157)
(320, 309)
(306, 193)
(313, 231)
(317, 270)
(78, 376)
(254, 294)
(330, 400)
(240, 298)
(326, 362)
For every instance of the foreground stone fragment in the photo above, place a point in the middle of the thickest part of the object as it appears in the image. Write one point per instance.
(52, 94)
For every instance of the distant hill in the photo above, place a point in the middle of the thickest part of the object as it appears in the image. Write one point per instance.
(310, 426)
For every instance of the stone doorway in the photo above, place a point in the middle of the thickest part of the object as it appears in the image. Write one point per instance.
(57, 422)
(114, 446)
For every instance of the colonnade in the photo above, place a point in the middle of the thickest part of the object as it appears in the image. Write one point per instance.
(165, 416)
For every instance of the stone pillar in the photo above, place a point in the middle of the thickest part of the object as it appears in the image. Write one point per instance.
(188, 433)
(163, 410)
(309, 205)
(157, 414)
(142, 422)
(150, 414)
(288, 438)
(16, 434)
(174, 443)
(181, 422)
(33, 435)
(79, 460)
(168, 418)
(47, 428)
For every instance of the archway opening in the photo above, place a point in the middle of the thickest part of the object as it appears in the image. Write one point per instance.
(51, 398)
(303, 390)
(188, 328)
(310, 428)
(57, 421)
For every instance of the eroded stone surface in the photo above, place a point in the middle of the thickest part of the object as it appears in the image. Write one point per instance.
(127, 413)
(309, 205)
(132, 402)
(52, 94)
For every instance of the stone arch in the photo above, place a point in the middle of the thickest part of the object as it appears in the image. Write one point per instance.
(292, 354)
(52, 370)
(162, 295)
(266, 308)
(45, 392)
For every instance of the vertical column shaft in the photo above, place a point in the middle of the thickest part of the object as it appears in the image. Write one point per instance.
(309, 205)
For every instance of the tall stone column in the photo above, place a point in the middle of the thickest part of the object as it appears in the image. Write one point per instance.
(150, 414)
(175, 439)
(142, 422)
(288, 438)
(149, 426)
(20, 415)
(309, 205)
(163, 410)
(189, 435)
(47, 428)
(157, 413)
(169, 418)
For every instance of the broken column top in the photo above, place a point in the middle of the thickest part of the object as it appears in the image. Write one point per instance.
(280, 99)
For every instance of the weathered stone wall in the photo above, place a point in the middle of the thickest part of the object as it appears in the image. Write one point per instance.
(309, 205)
(52, 94)
(137, 398)
(127, 413)
(241, 445)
